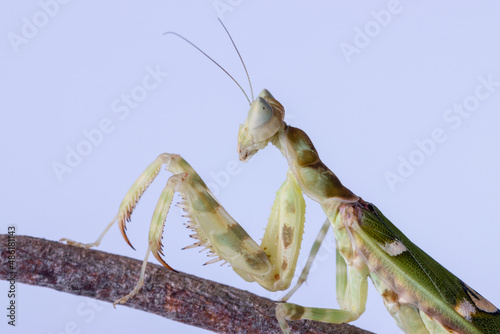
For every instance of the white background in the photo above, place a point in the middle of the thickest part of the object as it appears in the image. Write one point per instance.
(361, 114)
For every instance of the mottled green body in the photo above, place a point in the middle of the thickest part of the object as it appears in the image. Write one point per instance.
(417, 278)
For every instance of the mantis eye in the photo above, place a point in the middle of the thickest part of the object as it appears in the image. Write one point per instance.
(262, 123)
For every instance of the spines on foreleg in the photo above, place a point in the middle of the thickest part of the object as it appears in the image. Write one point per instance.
(137, 189)
(160, 215)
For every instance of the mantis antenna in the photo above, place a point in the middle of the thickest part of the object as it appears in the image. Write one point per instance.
(239, 55)
(216, 63)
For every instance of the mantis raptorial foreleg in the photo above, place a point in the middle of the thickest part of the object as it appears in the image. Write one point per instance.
(272, 264)
(282, 238)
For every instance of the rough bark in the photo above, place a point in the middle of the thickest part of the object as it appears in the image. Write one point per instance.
(176, 296)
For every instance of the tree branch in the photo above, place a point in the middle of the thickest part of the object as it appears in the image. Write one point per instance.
(176, 296)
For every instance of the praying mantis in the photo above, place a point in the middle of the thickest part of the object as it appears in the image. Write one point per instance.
(420, 294)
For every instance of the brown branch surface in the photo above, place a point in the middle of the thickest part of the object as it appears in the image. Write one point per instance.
(176, 296)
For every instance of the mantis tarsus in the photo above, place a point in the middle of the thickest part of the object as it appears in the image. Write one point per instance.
(420, 294)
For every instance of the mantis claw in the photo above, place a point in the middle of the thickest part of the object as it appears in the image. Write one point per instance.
(90, 245)
(123, 229)
(77, 244)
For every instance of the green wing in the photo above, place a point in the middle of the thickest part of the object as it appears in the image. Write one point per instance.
(426, 275)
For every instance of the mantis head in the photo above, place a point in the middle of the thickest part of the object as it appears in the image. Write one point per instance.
(264, 120)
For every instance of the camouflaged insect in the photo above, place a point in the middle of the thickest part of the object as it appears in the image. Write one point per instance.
(420, 294)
